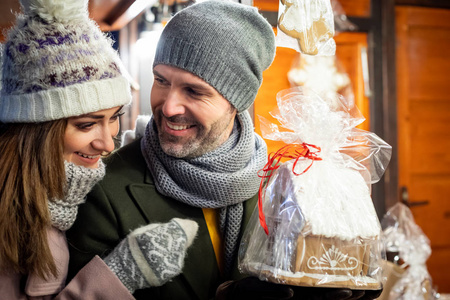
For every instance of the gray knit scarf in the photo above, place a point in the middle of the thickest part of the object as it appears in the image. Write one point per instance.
(222, 178)
(80, 180)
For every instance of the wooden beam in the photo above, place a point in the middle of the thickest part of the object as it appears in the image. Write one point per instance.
(389, 99)
(117, 11)
(383, 100)
(426, 3)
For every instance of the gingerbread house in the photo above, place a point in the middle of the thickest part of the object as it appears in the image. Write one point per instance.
(323, 230)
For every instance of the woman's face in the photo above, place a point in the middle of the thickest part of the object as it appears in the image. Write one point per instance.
(90, 135)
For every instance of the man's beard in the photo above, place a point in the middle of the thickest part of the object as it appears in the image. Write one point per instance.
(203, 142)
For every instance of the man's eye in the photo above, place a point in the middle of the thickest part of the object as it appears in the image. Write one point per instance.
(193, 92)
(160, 80)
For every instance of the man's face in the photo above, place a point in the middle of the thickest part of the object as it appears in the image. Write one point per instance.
(192, 118)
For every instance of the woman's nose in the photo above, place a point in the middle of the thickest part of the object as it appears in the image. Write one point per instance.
(104, 140)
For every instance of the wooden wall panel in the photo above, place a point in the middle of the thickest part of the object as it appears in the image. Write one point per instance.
(423, 115)
(8, 9)
(275, 79)
(354, 8)
(267, 5)
(348, 52)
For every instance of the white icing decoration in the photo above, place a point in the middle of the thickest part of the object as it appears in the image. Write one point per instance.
(334, 260)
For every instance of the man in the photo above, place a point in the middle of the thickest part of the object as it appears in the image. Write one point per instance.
(198, 158)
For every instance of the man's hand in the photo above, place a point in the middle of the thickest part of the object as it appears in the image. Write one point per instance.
(251, 288)
(318, 293)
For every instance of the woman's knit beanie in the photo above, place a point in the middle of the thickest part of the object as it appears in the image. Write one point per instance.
(225, 43)
(56, 63)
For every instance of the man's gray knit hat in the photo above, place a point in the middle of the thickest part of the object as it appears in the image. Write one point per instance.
(56, 63)
(227, 44)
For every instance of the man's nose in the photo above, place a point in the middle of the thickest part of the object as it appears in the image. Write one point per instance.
(173, 104)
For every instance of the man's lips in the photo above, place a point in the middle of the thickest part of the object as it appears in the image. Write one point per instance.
(177, 127)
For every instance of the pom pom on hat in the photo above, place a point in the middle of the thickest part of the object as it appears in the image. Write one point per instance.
(56, 10)
(57, 64)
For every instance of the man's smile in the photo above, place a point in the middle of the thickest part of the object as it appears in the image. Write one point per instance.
(177, 127)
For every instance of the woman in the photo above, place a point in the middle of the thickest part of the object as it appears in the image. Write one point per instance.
(61, 96)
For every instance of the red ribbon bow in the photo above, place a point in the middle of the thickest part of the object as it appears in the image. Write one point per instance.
(291, 151)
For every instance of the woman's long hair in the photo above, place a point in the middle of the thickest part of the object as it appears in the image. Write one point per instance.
(31, 172)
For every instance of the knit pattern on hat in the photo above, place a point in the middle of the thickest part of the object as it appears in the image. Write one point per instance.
(58, 64)
(80, 180)
(226, 44)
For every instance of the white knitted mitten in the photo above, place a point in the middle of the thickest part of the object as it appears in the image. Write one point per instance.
(153, 254)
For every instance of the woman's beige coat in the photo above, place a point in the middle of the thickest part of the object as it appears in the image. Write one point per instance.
(94, 281)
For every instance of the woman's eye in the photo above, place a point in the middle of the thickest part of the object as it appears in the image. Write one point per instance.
(117, 116)
(85, 125)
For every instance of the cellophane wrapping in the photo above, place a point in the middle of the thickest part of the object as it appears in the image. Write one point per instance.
(306, 26)
(322, 228)
(411, 249)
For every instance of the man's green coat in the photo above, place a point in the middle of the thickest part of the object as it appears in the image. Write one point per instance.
(127, 199)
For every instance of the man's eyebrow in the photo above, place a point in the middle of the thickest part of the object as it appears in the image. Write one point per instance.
(158, 74)
(199, 86)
